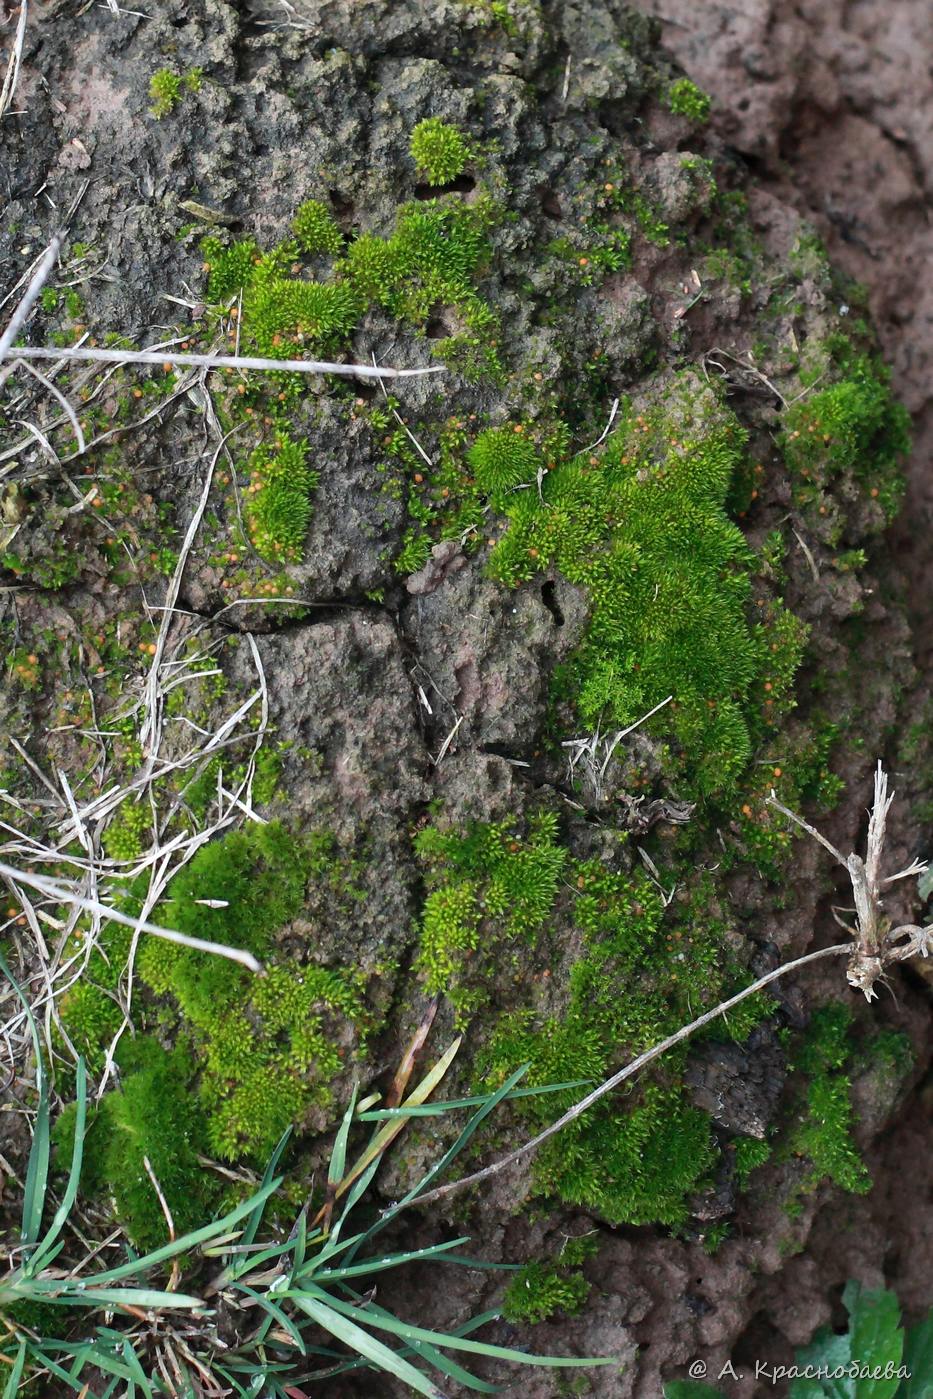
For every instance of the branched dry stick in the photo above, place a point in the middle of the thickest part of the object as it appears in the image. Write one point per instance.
(873, 938)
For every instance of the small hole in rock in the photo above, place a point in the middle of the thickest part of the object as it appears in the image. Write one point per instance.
(437, 329)
(550, 204)
(461, 185)
(549, 598)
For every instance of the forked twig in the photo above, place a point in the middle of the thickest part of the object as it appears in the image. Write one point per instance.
(873, 945)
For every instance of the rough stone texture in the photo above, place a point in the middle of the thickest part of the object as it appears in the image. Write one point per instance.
(817, 102)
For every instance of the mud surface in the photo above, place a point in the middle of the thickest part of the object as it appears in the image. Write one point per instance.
(393, 692)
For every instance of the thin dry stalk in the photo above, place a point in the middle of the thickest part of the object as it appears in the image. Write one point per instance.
(636, 1065)
(16, 57)
(290, 366)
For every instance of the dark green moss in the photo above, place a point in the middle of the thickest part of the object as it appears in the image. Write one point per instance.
(854, 425)
(822, 1132)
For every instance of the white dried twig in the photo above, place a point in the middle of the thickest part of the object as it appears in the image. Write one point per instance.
(291, 366)
(873, 938)
(16, 57)
(64, 893)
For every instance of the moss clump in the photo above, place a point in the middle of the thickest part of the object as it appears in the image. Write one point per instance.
(487, 889)
(439, 150)
(124, 836)
(278, 498)
(750, 1153)
(642, 525)
(855, 425)
(540, 1289)
(166, 88)
(270, 1044)
(315, 230)
(283, 316)
(823, 1132)
(431, 259)
(165, 92)
(640, 974)
(154, 1115)
(502, 459)
(685, 99)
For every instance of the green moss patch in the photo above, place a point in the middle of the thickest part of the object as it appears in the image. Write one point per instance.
(270, 1043)
(641, 524)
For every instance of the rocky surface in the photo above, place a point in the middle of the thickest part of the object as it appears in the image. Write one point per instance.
(398, 695)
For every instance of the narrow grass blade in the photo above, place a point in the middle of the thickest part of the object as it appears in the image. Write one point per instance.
(390, 1131)
(74, 1175)
(279, 1317)
(188, 1241)
(374, 1351)
(452, 1104)
(37, 1170)
(11, 1388)
(71, 1292)
(379, 1265)
(409, 1333)
(252, 1228)
(491, 1103)
(132, 1360)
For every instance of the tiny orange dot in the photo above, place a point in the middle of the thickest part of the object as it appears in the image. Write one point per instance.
(746, 810)
(776, 771)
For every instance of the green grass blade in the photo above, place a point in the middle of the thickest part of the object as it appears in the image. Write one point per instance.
(379, 1265)
(448, 1367)
(411, 1334)
(40, 1256)
(132, 1360)
(72, 1292)
(368, 1347)
(11, 1388)
(188, 1241)
(452, 1104)
(252, 1228)
(338, 1157)
(490, 1104)
(277, 1315)
(37, 1170)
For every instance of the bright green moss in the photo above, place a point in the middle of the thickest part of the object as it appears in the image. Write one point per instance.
(315, 230)
(639, 975)
(539, 1290)
(491, 879)
(430, 260)
(123, 837)
(269, 1043)
(642, 525)
(278, 498)
(439, 150)
(855, 425)
(90, 1007)
(502, 459)
(685, 99)
(229, 267)
(154, 1115)
(273, 1059)
(165, 92)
